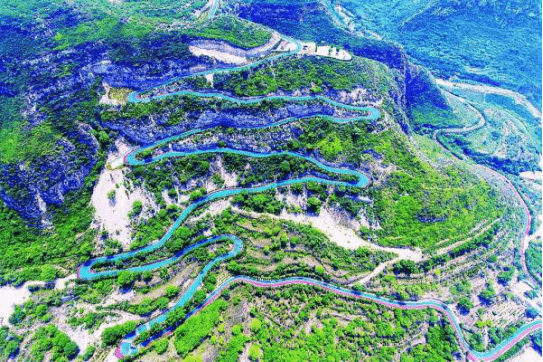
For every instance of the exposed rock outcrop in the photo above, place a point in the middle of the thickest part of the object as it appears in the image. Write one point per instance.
(29, 188)
(55, 79)
(149, 129)
(246, 53)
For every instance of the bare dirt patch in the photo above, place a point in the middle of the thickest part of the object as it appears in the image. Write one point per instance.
(112, 215)
(527, 355)
(114, 96)
(343, 236)
(216, 54)
(11, 296)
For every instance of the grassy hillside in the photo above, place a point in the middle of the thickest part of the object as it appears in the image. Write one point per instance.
(424, 226)
(134, 34)
(415, 205)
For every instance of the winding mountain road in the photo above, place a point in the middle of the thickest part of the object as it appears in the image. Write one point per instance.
(129, 347)
(481, 123)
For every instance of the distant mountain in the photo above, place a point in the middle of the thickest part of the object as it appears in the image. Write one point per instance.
(487, 41)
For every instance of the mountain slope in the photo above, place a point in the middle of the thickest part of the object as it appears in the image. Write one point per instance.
(495, 42)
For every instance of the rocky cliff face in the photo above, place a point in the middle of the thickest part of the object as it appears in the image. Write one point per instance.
(151, 128)
(222, 46)
(56, 80)
(30, 188)
(92, 61)
(420, 86)
(275, 139)
(150, 75)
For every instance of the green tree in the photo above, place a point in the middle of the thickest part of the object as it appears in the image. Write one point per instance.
(314, 204)
(236, 329)
(256, 325)
(488, 294)
(125, 278)
(406, 267)
(161, 345)
(171, 291)
(506, 275)
(18, 315)
(48, 273)
(71, 350)
(465, 304)
(255, 352)
(285, 167)
(89, 352)
(137, 207)
(111, 195)
(112, 335)
(162, 303)
(103, 137)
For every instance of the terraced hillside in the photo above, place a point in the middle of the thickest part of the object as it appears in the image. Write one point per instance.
(226, 181)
